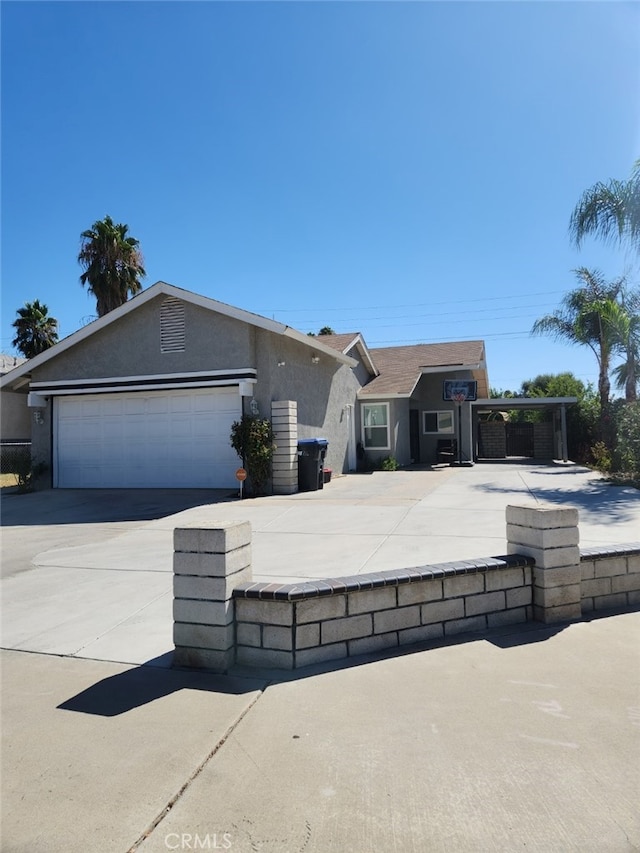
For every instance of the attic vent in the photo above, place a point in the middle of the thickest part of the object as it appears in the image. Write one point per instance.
(172, 325)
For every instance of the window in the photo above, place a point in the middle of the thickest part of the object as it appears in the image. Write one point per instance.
(375, 426)
(434, 422)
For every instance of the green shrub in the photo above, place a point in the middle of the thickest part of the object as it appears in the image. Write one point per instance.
(601, 457)
(18, 461)
(626, 457)
(252, 440)
(390, 463)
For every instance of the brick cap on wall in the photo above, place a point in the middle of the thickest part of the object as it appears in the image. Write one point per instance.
(610, 551)
(376, 580)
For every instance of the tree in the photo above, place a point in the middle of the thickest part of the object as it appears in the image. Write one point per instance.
(610, 211)
(623, 321)
(36, 331)
(112, 264)
(581, 321)
(325, 330)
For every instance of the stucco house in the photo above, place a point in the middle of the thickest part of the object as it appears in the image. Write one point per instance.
(145, 396)
(15, 426)
(401, 408)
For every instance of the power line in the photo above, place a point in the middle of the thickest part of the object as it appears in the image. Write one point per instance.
(270, 311)
(400, 317)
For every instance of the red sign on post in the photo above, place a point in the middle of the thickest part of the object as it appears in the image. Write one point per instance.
(241, 474)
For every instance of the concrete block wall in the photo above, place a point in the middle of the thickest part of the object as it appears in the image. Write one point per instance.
(610, 578)
(222, 618)
(284, 421)
(543, 440)
(550, 536)
(208, 562)
(493, 439)
(295, 625)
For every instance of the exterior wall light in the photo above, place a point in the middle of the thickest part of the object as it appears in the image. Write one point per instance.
(315, 359)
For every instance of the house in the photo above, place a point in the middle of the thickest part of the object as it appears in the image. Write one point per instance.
(401, 407)
(15, 426)
(146, 395)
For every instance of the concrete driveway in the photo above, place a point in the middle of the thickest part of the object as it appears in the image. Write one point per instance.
(89, 573)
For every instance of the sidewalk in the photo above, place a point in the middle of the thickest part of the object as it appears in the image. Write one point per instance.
(526, 740)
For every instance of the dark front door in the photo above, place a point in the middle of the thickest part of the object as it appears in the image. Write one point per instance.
(519, 439)
(414, 434)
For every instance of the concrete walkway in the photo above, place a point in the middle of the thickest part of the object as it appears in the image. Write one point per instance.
(520, 741)
(89, 573)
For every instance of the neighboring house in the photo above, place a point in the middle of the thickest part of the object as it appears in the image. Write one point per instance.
(145, 396)
(15, 424)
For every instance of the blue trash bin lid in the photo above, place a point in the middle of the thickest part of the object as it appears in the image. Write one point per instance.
(313, 442)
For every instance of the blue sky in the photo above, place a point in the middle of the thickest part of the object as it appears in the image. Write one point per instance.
(406, 170)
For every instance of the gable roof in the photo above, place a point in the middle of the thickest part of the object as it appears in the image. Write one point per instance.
(162, 288)
(400, 368)
(345, 343)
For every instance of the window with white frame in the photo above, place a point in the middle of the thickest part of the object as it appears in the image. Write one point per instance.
(375, 426)
(435, 422)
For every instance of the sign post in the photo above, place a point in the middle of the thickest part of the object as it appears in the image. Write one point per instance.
(241, 476)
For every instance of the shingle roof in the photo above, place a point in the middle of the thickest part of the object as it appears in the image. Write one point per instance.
(339, 342)
(345, 343)
(401, 367)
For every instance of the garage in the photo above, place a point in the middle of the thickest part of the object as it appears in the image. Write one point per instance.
(146, 439)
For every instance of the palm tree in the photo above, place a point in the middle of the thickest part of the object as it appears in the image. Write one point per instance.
(623, 321)
(112, 264)
(581, 321)
(36, 331)
(610, 211)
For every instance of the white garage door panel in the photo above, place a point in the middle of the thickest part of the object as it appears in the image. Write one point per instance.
(150, 439)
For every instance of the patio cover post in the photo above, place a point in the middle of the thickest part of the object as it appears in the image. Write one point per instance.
(563, 428)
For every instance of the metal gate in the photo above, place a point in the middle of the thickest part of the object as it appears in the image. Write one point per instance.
(519, 439)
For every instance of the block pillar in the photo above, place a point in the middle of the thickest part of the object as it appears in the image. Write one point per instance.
(284, 420)
(549, 535)
(209, 561)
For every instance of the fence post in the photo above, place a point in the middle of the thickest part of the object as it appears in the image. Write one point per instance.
(550, 535)
(209, 561)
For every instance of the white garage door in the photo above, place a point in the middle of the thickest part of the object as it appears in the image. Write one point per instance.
(146, 439)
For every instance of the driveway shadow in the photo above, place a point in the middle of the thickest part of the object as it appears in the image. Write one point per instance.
(95, 506)
(596, 499)
(151, 681)
(141, 685)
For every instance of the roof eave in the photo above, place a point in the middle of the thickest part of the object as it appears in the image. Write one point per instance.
(397, 395)
(364, 352)
(524, 402)
(313, 342)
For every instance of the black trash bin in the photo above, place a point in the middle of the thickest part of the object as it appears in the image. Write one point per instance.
(311, 455)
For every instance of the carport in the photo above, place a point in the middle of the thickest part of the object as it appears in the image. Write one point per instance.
(557, 405)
